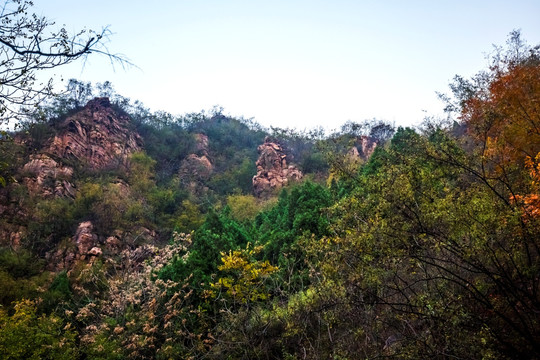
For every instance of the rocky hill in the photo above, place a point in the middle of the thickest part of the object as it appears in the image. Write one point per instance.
(196, 169)
(127, 234)
(89, 191)
(92, 140)
(96, 138)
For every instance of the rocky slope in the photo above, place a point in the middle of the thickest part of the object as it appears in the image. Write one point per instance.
(96, 138)
(366, 146)
(362, 150)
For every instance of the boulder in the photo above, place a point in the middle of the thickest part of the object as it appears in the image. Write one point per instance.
(85, 239)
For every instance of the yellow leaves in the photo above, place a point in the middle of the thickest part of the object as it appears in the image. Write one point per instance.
(24, 310)
(27, 335)
(244, 207)
(246, 281)
(233, 261)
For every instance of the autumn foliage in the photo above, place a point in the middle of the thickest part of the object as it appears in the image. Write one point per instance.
(427, 248)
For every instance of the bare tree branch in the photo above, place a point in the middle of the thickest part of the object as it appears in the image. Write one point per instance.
(30, 44)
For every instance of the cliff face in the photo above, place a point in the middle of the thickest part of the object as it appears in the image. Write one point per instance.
(97, 136)
(48, 178)
(367, 146)
(272, 170)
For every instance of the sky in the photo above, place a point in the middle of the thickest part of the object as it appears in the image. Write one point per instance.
(294, 63)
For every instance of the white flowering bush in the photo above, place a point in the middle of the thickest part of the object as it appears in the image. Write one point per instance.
(141, 316)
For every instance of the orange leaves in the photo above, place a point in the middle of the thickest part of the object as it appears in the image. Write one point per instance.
(504, 117)
(531, 201)
(534, 169)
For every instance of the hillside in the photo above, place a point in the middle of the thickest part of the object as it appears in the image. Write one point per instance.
(131, 234)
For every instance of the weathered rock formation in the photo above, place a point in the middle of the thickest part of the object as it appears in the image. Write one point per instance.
(272, 169)
(46, 177)
(83, 246)
(362, 150)
(97, 136)
(86, 241)
(197, 168)
(201, 145)
(86, 246)
(367, 146)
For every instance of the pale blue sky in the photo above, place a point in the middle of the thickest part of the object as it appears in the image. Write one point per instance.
(295, 63)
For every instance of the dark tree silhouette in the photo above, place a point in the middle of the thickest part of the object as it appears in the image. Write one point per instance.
(29, 44)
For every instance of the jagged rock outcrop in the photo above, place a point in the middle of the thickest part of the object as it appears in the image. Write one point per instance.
(86, 241)
(86, 246)
(97, 136)
(197, 168)
(201, 145)
(363, 149)
(272, 169)
(367, 145)
(83, 246)
(11, 235)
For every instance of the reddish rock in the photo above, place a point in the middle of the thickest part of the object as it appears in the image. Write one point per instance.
(272, 169)
(83, 246)
(85, 239)
(367, 145)
(97, 136)
(15, 239)
(95, 251)
(201, 144)
(46, 177)
(113, 245)
(197, 168)
(362, 150)
(86, 247)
